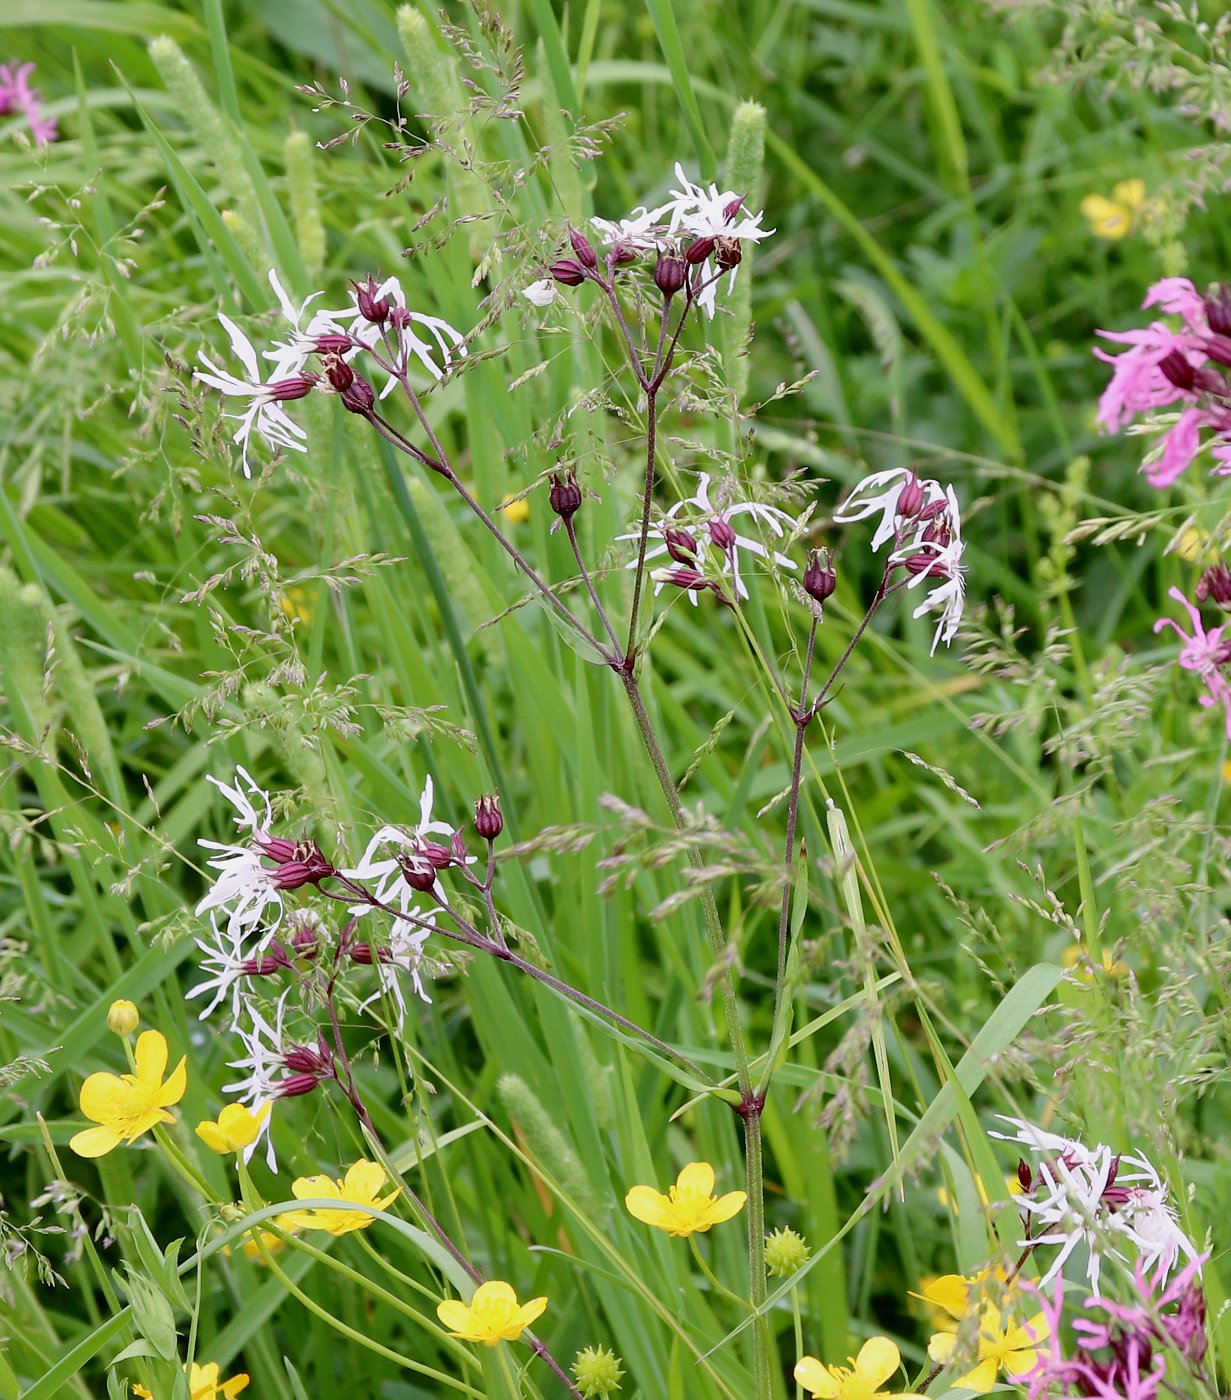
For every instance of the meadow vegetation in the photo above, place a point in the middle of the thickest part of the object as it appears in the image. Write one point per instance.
(630, 798)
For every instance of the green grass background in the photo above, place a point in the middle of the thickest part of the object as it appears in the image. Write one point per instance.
(934, 284)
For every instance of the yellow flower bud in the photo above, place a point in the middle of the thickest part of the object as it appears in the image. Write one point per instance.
(123, 1018)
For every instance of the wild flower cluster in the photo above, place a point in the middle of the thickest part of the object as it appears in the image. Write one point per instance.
(311, 937)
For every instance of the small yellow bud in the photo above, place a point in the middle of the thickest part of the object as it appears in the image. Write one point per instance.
(785, 1252)
(597, 1370)
(123, 1018)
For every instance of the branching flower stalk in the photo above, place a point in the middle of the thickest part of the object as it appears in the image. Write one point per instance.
(344, 1077)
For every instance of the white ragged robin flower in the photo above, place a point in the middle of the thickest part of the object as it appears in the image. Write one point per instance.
(922, 522)
(379, 320)
(1075, 1195)
(706, 227)
(897, 495)
(674, 535)
(935, 555)
(400, 955)
(262, 415)
(399, 858)
(245, 886)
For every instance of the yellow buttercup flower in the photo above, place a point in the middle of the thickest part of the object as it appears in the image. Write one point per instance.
(1113, 218)
(1075, 956)
(127, 1105)
(237, 1127)
(1004, 1344)
(493, 1314)
(360, 1187)
(204, 1384)
(515, 511)
(296, 604)
(878, 1359)
(689, 1206)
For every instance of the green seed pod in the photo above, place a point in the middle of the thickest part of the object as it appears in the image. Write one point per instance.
(547, 1145)
(305, 206)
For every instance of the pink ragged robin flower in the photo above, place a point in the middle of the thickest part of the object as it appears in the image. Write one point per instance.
(1204, 653)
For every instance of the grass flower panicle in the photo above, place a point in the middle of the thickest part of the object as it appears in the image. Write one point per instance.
(864, 1379)
(493, 1314)
(689, 1207)
(125, 1106)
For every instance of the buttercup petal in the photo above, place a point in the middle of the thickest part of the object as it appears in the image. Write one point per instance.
(981, 1379)
(454, 1314)
(362, 1181)
(1018, 1363)
(212, 1136)
(878, 1359)
(173, 1089)
(151, 1056)
(104, 1097)
(941, 1346)
(698, 1177)
(724, 1208)
(528, 1312)
(494, 1292)
(813, 1376)
(649, 1206)
(94, 1142)
(951, 1292)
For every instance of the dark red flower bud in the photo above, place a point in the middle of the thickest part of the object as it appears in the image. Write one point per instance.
(359, 396)
(298, 862)
(337, 372)
(565, 494)
(296, 1086)
(731, 209)
(926, 561)
(688, 579)
(910, 498)
(681, 546)
(568, 271)
(820, 578)
(699, 250)
(263, 967)
(670, 276)
(283, 390)
(728, 253)
(372, 307)
(418, 873)
(1218, 348)
(1218, 311)
(308, 1059)
(361, 953)
(334, 343)
(488, 818)
(721, 533)
(582, 246)
(622, 254)
(441, 857)
(1214, 586)
(304, 943)
(457, 848)
(1176, 370)
(1024, 1178)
